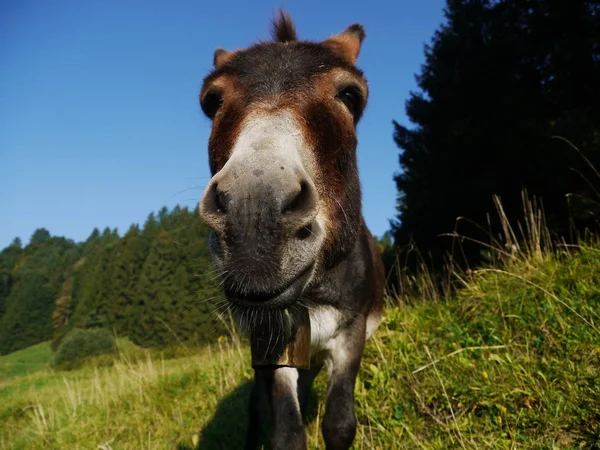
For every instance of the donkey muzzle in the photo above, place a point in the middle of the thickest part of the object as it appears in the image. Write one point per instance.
(263, 206)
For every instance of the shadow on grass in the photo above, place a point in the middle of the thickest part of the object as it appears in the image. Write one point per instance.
(227, 428)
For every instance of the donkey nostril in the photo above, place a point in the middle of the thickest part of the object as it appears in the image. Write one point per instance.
(304, 232)
(221, 200)
(213, 207)
(302, 200)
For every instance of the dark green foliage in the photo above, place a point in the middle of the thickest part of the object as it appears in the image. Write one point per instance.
(11, 255)
(5, 285)
(150, 230)
(81, 344)
(154, 284)
(28, 309)
(154, 295)
(501, 79)
(8, 260)
(91, 240)
(62, 311)
(128, 258)
(93, 288)
(39, 236)
(386, 248)
(175, 290)
(30, 279)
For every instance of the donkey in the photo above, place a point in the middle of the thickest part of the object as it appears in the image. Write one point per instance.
(284, 202)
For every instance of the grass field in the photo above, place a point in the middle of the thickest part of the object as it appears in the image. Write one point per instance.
(25, 362)
(511, 360)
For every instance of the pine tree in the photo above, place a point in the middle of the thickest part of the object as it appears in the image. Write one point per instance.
(39, 236)
(62, 311)
(156, 293)
(93, 289)
(500, 80)
(33, 283)
(5, 287)
(204, 292)
(128, 261)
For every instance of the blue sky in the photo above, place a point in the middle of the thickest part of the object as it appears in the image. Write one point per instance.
(99, 118)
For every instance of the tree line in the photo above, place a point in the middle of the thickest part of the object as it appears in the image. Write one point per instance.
(154, 284)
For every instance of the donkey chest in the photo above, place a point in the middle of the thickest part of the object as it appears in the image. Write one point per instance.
(325, 323)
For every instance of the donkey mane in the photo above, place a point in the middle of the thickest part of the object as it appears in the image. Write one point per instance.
(283, 28)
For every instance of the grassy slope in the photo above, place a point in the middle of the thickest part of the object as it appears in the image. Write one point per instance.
(511, 361)
(26, 361)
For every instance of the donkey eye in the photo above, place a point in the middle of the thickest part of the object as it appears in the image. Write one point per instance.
(211, 103)
(351, 96)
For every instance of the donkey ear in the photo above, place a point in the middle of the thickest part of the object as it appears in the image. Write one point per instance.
(346, 45)
(221, 57)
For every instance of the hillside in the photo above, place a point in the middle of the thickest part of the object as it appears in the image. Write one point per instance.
(510, 360)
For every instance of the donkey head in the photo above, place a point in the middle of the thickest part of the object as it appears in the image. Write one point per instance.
(284, 199)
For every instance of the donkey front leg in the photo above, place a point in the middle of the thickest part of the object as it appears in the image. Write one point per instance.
(287, 425)
(343, 362)
(287, 429)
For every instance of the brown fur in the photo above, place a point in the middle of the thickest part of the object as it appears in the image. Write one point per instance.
(283, 28)
(227, 124)
(329, 129)
(347, 44)
(221, 57)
